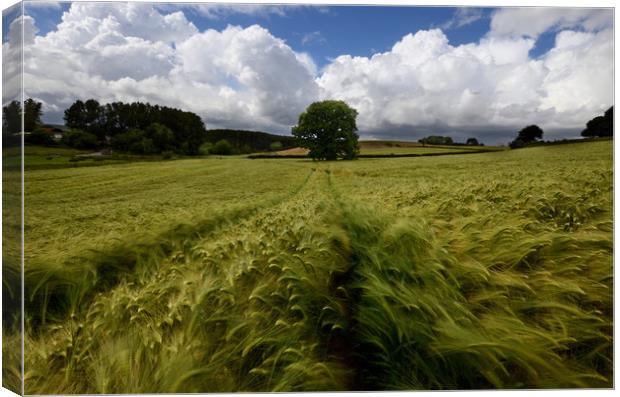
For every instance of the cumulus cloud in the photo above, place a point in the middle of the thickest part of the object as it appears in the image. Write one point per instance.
(237, 77)
(424, 84)
(532, 21)
(248, 78)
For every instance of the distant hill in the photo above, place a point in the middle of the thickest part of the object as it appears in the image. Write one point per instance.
(257, 141)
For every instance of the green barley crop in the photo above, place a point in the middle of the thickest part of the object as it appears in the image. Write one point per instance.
(489, 270)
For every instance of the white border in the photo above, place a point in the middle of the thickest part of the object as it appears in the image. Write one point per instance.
(474, 3)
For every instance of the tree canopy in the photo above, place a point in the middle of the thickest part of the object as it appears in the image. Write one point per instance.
(12, 113)
(600, 126)
(328, 130)
(184, 131)
(32, 114)
(436, 140)
(472, 142)
(531, 133)
(527, 135)
(12, 118)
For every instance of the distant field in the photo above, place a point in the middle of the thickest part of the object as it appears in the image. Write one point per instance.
(41, 158)
(401, 147)
(486, 270)
(37, 155)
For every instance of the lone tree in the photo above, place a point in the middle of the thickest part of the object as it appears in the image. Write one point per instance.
(472, 142)
(600, 125)
(529, 134)
(327, 129)
(32, 114)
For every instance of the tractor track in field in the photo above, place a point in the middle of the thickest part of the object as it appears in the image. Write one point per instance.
(101, 270)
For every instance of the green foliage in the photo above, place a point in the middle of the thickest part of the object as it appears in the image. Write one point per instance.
(162, 137)
(205, 148)
(490, 270)
(39, 137)
(328, 130)
(222, 147)
(130, 141)
(436, 140)
(79, 139)
(531, 133)
(472, 142)
(517, 144)
(276, 146)
(32, 114)
(600, 126)
(256, 140)
(168, 128)
(12, 118)
(157, 138)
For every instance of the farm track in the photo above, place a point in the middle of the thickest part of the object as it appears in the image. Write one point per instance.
(103, 269)
(241, 260)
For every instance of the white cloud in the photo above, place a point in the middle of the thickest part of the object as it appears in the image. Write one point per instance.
(248, 78)
(463, 16)
(84, 22)
(532, 21)
(425, 83)
(315, 37)
(235, 77)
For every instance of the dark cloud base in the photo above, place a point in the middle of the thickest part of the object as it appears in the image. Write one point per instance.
(489, 135)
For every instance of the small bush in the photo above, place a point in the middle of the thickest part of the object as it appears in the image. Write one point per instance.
(205, 148)
(276, 146)
(222, 147)
(79, 139)
(39, 137)
(130, 141)
(517, 144)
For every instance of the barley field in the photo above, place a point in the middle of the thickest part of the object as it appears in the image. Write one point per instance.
(477, 271)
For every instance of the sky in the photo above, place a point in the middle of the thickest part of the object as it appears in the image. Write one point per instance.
(409, 71)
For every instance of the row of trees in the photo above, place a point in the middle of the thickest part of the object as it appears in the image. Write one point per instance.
(600, 126)
(327, 128)
(138, 127)
(446, 140)
(12, 116)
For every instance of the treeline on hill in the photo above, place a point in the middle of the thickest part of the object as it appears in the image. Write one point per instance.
(446, 140)
(240, 141)
(136, 127)
(12, 120)
(598, 127)
(133, 127)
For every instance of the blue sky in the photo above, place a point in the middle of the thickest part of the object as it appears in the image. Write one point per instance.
(329, 31)
(457, 71)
